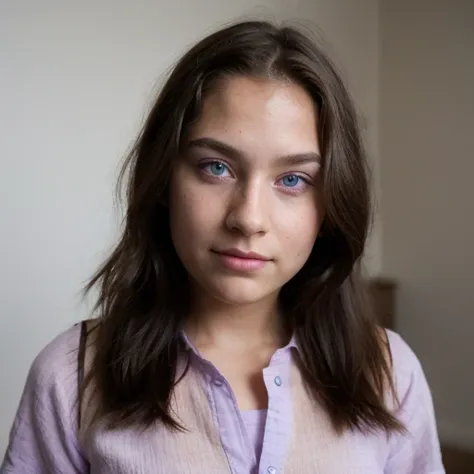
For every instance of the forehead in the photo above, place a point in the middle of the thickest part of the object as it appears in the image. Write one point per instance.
(259, 113)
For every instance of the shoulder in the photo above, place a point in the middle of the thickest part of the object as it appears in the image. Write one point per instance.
(404, 359)
(417, 448)
(408, 376)
(56, 363)
(43, 435)
(53, 376)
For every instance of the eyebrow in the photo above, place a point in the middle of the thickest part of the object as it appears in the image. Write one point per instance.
(231, 152)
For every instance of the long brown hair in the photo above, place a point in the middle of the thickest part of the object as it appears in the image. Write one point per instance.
(143, 287)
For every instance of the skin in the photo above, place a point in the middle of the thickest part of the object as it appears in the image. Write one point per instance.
(249, 178)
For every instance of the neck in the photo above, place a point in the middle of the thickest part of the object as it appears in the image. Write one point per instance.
(213, 322)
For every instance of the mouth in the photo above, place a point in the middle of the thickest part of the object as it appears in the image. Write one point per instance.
(241, 254)
(241, 261)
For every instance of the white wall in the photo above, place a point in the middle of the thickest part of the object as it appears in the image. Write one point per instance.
(427, 177)
(75, 82)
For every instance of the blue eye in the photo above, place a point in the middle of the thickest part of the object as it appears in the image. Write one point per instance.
(216, 168)
(291, 180)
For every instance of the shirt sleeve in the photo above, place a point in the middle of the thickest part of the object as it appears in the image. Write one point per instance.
(43, 438)
(417, 451)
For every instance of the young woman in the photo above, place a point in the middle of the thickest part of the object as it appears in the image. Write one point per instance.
(232, 332)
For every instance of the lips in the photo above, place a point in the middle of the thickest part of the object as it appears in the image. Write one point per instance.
(241, 254)
(240, 261)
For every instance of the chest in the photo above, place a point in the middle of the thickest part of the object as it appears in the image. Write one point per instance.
(243, 372)
(298, 436)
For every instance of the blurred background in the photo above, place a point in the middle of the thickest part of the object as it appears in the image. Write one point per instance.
(75, 84)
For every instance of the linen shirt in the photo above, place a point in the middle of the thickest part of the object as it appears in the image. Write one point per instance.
(297, 437)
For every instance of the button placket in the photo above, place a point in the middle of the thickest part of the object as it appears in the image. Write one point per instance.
(229, 422)
(279, 417)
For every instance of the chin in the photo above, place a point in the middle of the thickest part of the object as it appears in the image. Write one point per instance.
(238, 293)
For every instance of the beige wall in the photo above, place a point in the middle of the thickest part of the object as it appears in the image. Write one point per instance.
(75, 81)
(427, 179)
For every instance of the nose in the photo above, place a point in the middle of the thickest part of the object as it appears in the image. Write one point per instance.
(247, 211)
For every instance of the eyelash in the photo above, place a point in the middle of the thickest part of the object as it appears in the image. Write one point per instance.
(290, 189)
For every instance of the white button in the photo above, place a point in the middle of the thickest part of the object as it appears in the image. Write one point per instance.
(271, 470)
(278, 381)
(218, 382)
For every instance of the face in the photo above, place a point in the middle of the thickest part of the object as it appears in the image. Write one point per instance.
(246, 193)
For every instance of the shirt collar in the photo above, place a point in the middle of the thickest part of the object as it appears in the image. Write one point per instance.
(189, 346)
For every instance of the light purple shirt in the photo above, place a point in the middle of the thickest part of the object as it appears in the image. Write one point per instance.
(44, 436)
(254, 421)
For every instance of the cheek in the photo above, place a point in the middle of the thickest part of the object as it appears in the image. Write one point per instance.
(192, 213)
(184, 216)
(299, 232)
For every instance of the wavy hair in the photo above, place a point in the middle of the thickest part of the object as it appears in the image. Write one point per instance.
(143, 289)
